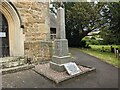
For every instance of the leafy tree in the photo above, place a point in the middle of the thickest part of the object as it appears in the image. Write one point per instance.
(111, 14)
(81, 18)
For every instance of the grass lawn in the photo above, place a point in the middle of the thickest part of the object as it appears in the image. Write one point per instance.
(106, 56)
(106, 47)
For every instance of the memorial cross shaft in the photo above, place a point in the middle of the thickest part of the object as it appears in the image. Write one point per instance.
(60, 55)
(61, 24)
(61, 43)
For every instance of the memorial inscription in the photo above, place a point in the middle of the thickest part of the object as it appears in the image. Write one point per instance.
(72, 68)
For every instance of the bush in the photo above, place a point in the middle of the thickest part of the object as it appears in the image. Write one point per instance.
(84, 44)
(94, 42)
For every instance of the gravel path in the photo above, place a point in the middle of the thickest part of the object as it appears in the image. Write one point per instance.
(106, 76)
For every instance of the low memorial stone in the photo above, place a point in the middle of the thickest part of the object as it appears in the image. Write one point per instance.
(2, 34)
(72, 68)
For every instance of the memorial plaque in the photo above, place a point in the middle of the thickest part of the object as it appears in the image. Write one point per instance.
(2, 34)
(72, 68)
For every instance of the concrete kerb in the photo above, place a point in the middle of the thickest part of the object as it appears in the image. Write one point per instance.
(16, 69)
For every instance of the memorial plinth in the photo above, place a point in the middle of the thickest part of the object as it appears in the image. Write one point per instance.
(61, 67)
(60, 56)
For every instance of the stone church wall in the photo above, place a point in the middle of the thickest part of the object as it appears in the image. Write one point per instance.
(35, 21)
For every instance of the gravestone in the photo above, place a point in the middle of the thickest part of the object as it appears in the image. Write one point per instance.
(117, 54)
(112, 49)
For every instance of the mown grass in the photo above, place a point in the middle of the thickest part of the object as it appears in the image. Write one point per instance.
(106, 47)
(106, 56)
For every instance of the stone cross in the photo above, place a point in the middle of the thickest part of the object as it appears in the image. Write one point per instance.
(60, 56)
(61, 43)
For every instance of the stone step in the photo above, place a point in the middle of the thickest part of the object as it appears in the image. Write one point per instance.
(10, 59)
(8, 62)
(16, 69)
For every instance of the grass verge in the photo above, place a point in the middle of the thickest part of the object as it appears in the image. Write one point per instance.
(104, 56)
(106, 47)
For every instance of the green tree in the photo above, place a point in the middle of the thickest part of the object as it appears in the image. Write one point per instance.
(81, 18)
(111, 14)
